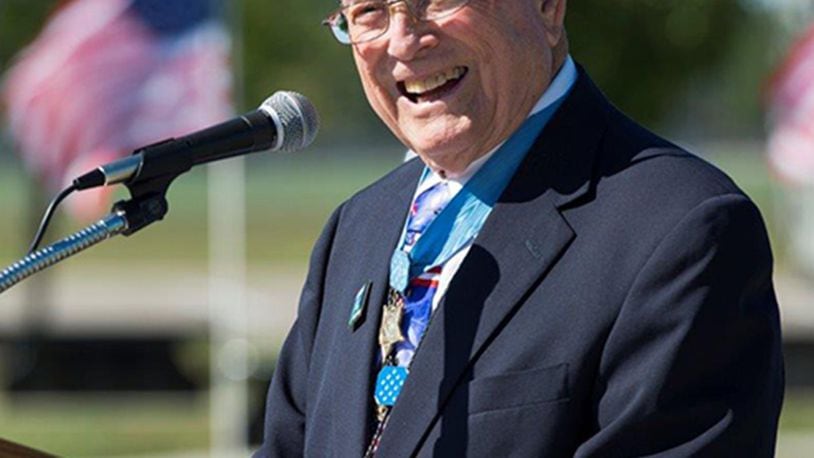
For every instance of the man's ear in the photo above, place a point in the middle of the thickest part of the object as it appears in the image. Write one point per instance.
(553, 12)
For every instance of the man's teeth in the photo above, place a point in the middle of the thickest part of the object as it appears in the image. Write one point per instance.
(433, 82)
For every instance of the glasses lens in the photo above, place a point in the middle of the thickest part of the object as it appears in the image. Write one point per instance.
(339, 27)
(367, 20)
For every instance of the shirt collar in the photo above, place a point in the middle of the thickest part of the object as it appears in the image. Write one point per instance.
(561, 83)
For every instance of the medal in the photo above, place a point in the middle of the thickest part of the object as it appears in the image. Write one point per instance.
(390, 329)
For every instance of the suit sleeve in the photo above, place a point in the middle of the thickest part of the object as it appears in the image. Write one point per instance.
(284, 434)
(692, 365)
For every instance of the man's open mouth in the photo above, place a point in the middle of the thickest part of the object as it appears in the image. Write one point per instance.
(434, 87)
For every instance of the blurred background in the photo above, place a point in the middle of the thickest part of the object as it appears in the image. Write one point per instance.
(162, 344)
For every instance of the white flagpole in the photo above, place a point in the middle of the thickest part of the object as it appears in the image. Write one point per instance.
(228, 302)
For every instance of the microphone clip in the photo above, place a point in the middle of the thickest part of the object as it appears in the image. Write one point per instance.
(147, 203)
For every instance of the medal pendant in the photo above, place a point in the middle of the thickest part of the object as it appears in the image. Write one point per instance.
(390, 330)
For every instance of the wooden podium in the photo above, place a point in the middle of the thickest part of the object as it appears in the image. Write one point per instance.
(12, 450)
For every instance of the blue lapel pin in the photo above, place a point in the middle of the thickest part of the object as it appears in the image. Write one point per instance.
(359, 304)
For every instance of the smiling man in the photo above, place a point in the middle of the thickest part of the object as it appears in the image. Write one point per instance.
(547, 278)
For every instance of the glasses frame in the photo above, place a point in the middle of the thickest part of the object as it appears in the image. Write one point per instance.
(332, 20)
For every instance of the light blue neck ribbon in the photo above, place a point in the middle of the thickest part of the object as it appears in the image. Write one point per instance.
(461, 220)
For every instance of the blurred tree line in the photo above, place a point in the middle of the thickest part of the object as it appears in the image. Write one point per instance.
(692, 65)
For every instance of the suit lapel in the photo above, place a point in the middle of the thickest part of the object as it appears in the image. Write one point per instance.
(377, 236)
(522, 239)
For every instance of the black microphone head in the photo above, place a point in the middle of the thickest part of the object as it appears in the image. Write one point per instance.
(296, 119)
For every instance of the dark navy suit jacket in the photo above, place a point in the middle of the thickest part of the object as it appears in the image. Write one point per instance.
(617, 302)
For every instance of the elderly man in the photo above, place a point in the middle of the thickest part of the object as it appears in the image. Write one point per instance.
(547, 278)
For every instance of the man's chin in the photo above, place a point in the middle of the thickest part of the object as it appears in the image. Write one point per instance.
(444, 135)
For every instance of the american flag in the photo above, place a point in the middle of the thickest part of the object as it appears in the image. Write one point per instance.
(791, 141)
(107, 76)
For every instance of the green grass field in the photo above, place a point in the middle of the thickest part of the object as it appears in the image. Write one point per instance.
(107, 425)
(288, 200)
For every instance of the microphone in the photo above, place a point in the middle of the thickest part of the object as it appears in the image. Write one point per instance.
(286, 121)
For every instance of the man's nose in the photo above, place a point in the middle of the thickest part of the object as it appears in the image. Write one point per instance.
(404, 38)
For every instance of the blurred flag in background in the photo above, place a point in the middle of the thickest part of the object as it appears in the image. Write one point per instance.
(791, 141)
(107, 76)
(791, 147)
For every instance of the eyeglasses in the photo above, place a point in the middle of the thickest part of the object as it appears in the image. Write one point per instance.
(367, 20)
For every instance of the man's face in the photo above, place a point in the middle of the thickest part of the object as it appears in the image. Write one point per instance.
(453, 88)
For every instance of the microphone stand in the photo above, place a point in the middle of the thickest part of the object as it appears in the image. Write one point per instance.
(148, 204)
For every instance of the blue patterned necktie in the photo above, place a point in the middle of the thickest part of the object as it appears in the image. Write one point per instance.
(421, 290)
